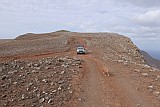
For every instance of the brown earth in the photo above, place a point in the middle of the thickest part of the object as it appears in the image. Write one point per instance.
(46, 71)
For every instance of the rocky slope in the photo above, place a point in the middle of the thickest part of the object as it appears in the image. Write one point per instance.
(47, 81)
(115, 46)
(43, 70)
(151, 61)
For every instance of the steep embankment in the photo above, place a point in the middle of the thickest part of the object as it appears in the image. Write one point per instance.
(151, 61)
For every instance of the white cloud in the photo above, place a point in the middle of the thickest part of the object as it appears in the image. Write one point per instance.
(136, 19)
(143, 3)
(150, 18)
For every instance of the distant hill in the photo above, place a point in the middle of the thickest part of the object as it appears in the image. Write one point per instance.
(32, 36)
(62, 31)
(150, 60)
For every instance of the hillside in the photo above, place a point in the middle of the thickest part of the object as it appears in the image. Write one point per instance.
(151, 61)
(45, 70)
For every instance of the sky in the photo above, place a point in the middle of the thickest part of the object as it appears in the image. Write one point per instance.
(137, 19)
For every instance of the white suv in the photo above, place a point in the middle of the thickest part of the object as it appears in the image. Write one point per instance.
(80, 50)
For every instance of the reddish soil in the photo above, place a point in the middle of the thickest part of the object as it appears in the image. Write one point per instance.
(131, 82)
(113, 91)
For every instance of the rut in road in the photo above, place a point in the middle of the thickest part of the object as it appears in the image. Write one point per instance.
(96, 92)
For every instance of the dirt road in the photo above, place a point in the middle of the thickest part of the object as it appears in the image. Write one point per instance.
(99, 90)
(93, 86)
(129, 84)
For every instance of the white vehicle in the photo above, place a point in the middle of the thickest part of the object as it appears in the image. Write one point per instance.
(80, 50)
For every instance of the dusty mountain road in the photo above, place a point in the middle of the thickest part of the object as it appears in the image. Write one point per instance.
(93, 85)
(130, 84)
(100, 90)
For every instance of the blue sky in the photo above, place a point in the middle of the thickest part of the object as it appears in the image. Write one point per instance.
(139, 20)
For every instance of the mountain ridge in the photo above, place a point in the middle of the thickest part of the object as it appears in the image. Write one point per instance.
(44, 69)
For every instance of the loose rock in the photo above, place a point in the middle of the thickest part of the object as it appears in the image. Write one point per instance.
(145, 74)
(41, 100)
(3, 77)
(50, 101)
(156, 93)
(62, 72)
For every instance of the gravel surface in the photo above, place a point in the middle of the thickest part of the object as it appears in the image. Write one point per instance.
(16, 47)
(45, 82)
(117, 48)
(43, 70)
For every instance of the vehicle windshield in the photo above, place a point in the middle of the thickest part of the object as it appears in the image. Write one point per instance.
(80, 47)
